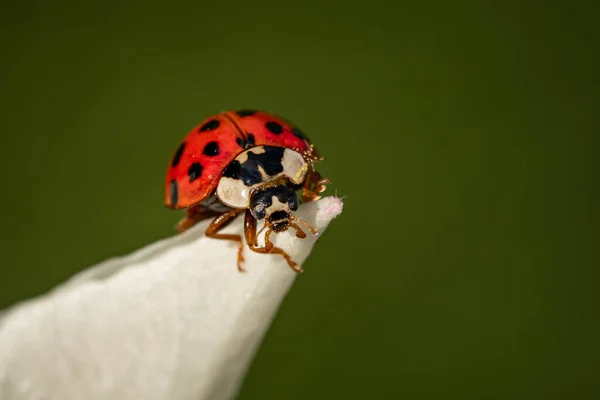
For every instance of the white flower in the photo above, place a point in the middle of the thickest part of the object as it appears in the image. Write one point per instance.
(174, 320)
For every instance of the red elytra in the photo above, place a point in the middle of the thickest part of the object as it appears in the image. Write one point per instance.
(198, 163)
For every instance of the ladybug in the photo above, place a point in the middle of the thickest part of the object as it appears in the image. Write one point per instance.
(244, 161)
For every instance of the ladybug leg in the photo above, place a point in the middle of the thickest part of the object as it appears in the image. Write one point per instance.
(252, 240)
(313, 186)
(299, 232)
(193, 215)
(250, 229)
(221, 222)
(277, 250)
(306, 224)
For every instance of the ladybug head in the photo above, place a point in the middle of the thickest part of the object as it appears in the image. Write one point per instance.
(275, 205)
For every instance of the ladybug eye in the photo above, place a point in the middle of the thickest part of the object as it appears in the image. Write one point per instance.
(293, 203)
(258, 211)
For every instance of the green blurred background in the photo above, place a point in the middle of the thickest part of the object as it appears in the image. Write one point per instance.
(462, 134)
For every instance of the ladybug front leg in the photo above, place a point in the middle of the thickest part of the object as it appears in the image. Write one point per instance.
(221, 222)
(252, 240)
(313, 186)
(250, 229)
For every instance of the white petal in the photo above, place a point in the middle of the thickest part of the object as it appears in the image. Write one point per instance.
(174, 320)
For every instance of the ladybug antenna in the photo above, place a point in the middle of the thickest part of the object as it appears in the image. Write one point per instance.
(298, 230)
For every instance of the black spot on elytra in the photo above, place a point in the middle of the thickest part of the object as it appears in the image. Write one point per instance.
(195, 171)
(274, 127)
(178, 154)
(249, 173)
(250, 141)
(246, 143)
(211, 149)
(245, 113)
(173, 193)
(298, 133)
(210, 125)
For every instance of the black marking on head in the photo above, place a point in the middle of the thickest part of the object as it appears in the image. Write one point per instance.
(178, 154)
(211, 149)
(274, 127)
(285, 195)
(259, 203)
(173, 193)
(245, 113)
(298, 133)
(195, 171)
(262, 200)
(210, 125)
(246, 143)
